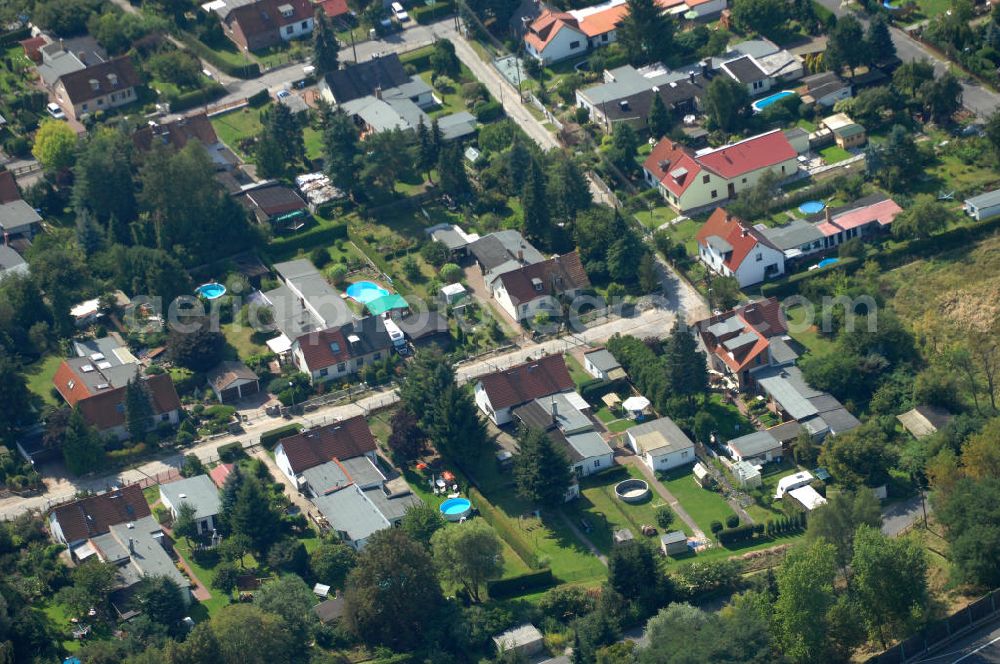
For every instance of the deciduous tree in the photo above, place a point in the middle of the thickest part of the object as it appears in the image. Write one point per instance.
(726, 102)
(407, 438)
(55, 145)
(840, 518)
(331, 561)
(921, 219)
(805, 597)
(469, 555)
(421, 521)
(248, 635)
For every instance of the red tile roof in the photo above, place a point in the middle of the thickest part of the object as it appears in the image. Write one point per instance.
(763, 318)
(105, 409)
(219, 474)
(95, 515)
(528, 381)
(599, 22)
(749, 155)
(668, 157)
(544, 28)
(333, 8)
(31, 48)
(264, 17)
(883, 212)
(177, 134)
(341, 440)
(8, 188)
(69, 385)
(731, 229)
(318, 347)
(558, 275)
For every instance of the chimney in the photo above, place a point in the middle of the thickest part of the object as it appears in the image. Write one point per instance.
(705, 65)
(555, 411)
(520, 255)
(62, 44)
(131, 545)
(378, 92)
(827, 212)
(691, 76)
(82, 56)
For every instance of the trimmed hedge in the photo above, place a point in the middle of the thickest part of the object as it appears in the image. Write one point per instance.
(503, 528)
(231, 452)
(201, 97)
(249, 70)
(270, 438)
(488, 112)
(519, 585)
(594, 389)
(258, 99)
(314, 237)
(736, 535)
(14, 36)
(419, 58)
(427, 14)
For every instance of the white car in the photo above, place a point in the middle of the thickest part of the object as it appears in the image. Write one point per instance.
(400, 13)
(55, 111)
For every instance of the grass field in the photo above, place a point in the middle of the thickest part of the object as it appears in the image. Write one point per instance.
(809, 337)
(729, 423)
(834, 154)
(576, 371)
(40, 375)
(659, 216)
(704, 506)
(237, 125)
(684, 233)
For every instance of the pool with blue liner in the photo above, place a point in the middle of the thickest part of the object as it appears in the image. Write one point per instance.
(455, 509)
(365, 291)
(812, 207)
(827, 261)
(761, 104)
(212, 291)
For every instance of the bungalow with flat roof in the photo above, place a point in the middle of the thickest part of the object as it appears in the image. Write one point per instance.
(600, 363)
(825, 89)
(356, 514)
(200, 493)
(756, 447)
(661, 444)
(304, 302)
(984, 206)
(452, 236)
(273, 203)
(498, 393)
(18, 220)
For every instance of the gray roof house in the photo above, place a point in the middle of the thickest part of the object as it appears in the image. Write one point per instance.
(200, 493)
(627, 94)
(602, 364)
(819, 412)
(232, 381)
(756, 446)
(453, 237)
(356, 514)
(984, 206)
(305, 301)
(502, 252)
(795, 239)
(18, 218)
(661, 444)
(11, 262)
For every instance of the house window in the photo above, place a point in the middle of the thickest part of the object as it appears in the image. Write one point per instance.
(165, 417)
(782, 168)
(305, 25)
(760, 257)
(604, 37)
(71, 384)
(705, 179)
(574, 44)
(84, 107)
(100, 102)
(744, 180)
(289, 30)
(715, 193)
(341, 367)
(377, 356)
(684, 454)
(597, 463)
(324, 371)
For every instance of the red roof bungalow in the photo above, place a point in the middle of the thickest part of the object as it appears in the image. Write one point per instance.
(333, 8)
(741, 339)
(690, 180)
(732, 248)
(89, 517)
(859, 222)
(499, 392)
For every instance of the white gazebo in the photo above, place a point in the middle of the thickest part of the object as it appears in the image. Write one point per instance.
(635, 406)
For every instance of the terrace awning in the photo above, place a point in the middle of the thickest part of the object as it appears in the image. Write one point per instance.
(386, 303)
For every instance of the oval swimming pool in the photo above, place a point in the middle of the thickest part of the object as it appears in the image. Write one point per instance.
(211, 291)
(365, 291)
(761, 104)
(827, 261)
(455, 509)
(812, 207)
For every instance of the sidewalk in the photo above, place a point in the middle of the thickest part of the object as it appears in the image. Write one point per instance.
(666, 496)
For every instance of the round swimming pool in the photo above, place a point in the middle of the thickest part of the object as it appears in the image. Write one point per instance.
(365, 291)
(632, 490)
(761, 104)
(455, 509)
(827, 261)
(211, 291)
(812, 207)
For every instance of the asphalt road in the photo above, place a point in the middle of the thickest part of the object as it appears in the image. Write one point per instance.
(976, 98)
(979, 647)
(898, 516)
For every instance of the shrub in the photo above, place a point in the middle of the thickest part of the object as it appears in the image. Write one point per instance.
(488, 112)
(450, 273)
(337, 274)
(664, 517)
(231, 452)
(320, 256)
(716, 527)
(519, 585)
(736, 535)
(732, 521)
(269, 439)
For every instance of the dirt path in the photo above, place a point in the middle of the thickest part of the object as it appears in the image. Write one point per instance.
(665, 495)
(583, 538)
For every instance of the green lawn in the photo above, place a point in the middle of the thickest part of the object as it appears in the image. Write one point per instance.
(605, 513)
(57, 616)
(659, 216)
(684, 233)
(808, 337)
(39, 376)
(576, 371)
(834, 154)
(621, 425)
(805, 124)
(243, 340)
(206, 574)
(729, 423)
(237, 125)
(703, 505)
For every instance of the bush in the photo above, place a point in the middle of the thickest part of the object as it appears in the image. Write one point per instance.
(664, 517)
(716, 527)
(231, 452)
(450, 273)
(425, 14)
(194, 98)
(249, 70)
(488, 112)
(519, 585)
(736, 535)
(269, 439)
(732, 521)
(337, 274)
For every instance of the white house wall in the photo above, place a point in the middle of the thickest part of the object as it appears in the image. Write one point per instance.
(561, 46)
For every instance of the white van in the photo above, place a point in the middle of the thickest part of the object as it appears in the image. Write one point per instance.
(399, 12)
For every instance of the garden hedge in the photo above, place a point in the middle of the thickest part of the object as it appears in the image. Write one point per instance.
(503, 528)
(270, 438)
(426, 14)
(419, 58)
(736, 535)
(282, 247)
(231, 452)
(188, 100)
(199, 48)
(519, 585)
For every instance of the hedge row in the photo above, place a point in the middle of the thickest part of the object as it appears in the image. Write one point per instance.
(488, 111)
(736, 535)
(792, 283)
(14, 36)
(503, 528)
(258, 99)
(231, 452)
(314, 237)
(201, 97)
(519, 585)
(249, 70)
(270, 438)
(420, 58)
(427, 14)
(594, 389)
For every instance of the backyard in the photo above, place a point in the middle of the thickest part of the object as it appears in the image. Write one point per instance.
(40, 376)
(242, 124)
(808, 336)
(656, 217)
(702, 505)
(684, 233)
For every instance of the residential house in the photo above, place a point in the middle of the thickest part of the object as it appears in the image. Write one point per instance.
(341, 351)
(96, 384)
(777, 65)
(600, 363)
(795, 240)
(869, 217)
(792, 482)
(18, 221)
(11, 262)
(741, 339)
(258, 24)
(501, 252)
(690, 180)
(426, 328)
(561, 416)
(332, 609)
(498, 393)
(792, 398)
(846, 132)
(661, 444)
(746, 71)
(984, 206)
(347, 439)
(731, 248)
(303, 303)
(200, 493)
(116, 527)
(825, 89)
(100, 87)
(538, 288)
(275, 204)
(334, 9)
(557, 35)
(9, 191)
(757, 447)
(683, 8)
(56, 60)
(453, 237)
(626, 95)
(924, 420)
(177, 134)
(356, 514)
(232, 381)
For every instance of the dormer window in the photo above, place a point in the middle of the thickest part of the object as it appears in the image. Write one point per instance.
(286, 10)
(95, 85)
(334, 346)
(537, 284)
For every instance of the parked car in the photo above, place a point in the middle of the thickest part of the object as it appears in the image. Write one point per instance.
(55, 111)
(400, 13)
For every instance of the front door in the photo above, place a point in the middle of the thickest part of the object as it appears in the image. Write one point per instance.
(732, 190)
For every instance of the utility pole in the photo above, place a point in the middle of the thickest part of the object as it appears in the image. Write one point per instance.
(354, 48)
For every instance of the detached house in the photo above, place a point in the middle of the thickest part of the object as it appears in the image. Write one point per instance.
(200, 493)
(341, 351)
(556, 35)
(526, 291)
(258, 24)
(690, 180)
(741, 339)
(96, 383)
(661, 444)
(177, 134)
(103, 86)
(499, 392)
(733, 249)
(340, 441)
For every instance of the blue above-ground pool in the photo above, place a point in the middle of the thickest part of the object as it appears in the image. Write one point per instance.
(761, 104)
(889, 5)
(812, 207)
(211, 291)
(365, 291)
(455, 509)
(827, 261)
